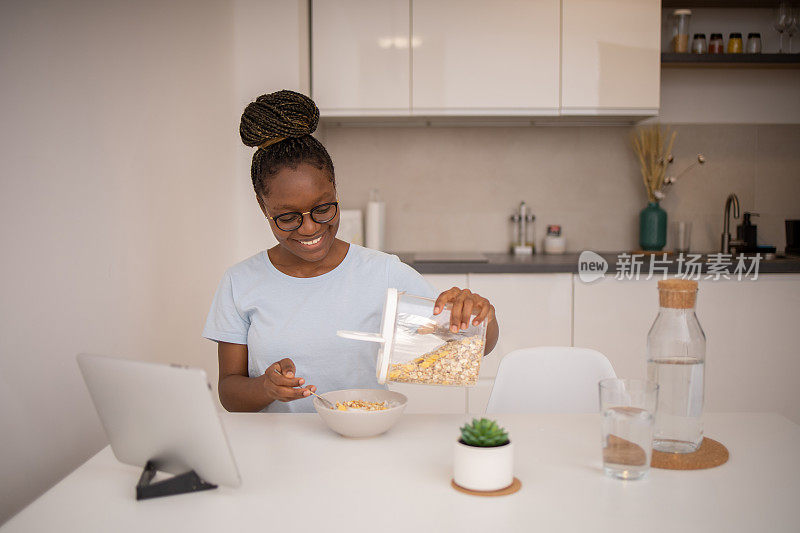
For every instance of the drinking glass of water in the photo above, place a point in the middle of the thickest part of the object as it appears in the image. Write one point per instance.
(628, 408)
(683, 237)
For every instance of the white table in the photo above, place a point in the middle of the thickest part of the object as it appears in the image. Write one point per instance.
(299, 476)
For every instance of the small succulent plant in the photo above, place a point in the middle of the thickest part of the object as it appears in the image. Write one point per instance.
(483, 433)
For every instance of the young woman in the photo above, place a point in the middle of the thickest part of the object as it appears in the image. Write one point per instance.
(275, 315)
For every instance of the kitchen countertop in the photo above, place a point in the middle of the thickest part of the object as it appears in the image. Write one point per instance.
(499, 263)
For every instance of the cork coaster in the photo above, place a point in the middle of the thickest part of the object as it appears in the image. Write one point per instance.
(710, 454)
(511, 489)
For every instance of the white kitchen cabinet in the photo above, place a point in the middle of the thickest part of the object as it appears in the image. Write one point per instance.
(752, 359)
(442, 282)
(432, 399)
(613, 317)
(478, 57)
(360, 57)
(610, 57)
(479, 397)
(753, 363)
(532, 310)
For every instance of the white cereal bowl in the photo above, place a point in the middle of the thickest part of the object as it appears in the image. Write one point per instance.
(358, 423)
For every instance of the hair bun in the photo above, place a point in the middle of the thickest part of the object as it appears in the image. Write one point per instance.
(278, 115)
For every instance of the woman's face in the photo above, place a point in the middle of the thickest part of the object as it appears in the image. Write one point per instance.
(301, 189)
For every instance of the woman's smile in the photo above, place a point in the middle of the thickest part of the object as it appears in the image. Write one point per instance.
(311, 242)
(310, 247)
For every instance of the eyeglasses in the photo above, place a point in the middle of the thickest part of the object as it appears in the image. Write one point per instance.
(294, 219)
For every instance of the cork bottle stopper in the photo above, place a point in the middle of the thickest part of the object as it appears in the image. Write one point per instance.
(677, 293)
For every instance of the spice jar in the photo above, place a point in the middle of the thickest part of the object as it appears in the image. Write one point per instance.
(735, 43)
(417, 346)
(753, 43)
(676, 355)
(715, 45)
(699, 44)
(680, 30)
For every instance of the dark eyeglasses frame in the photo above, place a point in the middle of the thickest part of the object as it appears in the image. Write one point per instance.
(310, 213)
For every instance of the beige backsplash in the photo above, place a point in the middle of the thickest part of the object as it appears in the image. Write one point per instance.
(453, 188)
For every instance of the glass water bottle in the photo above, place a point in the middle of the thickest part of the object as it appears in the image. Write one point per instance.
(676, 354)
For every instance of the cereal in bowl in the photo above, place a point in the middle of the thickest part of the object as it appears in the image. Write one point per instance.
(361, 405)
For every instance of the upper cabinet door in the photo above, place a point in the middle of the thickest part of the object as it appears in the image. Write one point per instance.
(610, 57)
(360, 57)
(497, 57)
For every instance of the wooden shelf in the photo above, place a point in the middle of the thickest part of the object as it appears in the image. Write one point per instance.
(671, 60)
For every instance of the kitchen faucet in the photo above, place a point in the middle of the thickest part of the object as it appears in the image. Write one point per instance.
(726, 224)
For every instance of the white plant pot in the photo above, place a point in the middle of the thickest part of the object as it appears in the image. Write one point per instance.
(478, 468)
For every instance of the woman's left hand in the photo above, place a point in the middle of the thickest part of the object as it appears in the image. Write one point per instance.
(464, 304)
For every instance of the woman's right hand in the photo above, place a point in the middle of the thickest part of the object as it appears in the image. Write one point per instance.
(281, 383)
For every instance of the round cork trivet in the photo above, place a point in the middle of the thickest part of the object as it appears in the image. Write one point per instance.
(511, 489)
(710, 454)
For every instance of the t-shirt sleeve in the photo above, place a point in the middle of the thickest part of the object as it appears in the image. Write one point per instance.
(405, 278)
(224, 322)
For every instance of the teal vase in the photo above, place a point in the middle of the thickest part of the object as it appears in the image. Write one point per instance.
(652, 228)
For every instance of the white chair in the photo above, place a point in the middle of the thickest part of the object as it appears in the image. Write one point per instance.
(549, 379)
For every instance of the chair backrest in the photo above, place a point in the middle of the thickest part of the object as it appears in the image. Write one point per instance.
(549, 379)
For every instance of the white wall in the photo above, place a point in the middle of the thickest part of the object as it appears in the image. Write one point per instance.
(271, 52)
(730, 96)
(117, 214)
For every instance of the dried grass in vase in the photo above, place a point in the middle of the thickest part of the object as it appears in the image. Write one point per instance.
(653, 147)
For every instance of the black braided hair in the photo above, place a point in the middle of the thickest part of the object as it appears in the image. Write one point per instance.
(289, 116)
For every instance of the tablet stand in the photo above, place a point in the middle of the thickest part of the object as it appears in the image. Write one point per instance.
(179, 484)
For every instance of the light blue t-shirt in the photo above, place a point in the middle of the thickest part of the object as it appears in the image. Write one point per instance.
(280, 316)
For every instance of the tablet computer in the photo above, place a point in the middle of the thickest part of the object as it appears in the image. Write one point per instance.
(160, 414)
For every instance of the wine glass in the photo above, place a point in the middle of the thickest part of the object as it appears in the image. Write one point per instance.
(782, 16)
(791, 24)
